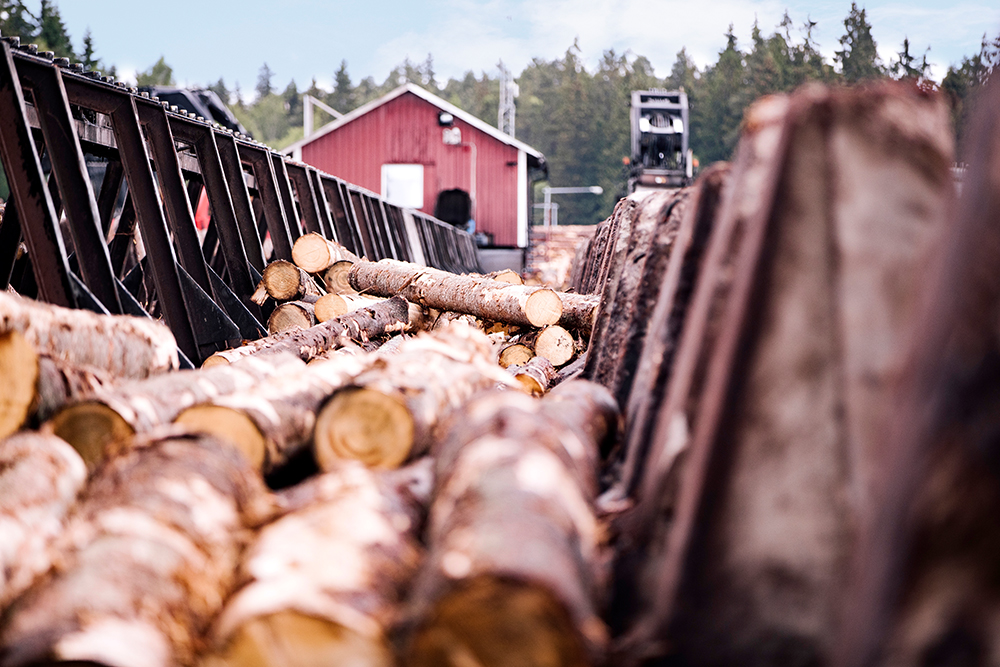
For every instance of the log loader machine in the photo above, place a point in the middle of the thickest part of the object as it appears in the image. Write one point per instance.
(660, 156)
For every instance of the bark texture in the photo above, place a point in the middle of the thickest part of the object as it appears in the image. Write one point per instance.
(325, 581)
(387, 317)
(472, 294)
(579, 311)
(146, 561)
(393, 411)
(787, 363)
(535, 375)
(272, 421)
(514, 573)
(123, 346)
(40, 478)
(103, 421)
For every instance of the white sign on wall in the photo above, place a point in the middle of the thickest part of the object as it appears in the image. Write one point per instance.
(403, 184)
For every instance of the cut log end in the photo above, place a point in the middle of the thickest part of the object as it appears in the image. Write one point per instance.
(291, 315)
(329, 306)
(364, 424)
(335, 278)
(508, 276)
(229, 425)
(215, 360)
(543, 307)
(311, 252)
(490, 622)
(19, 370)
(517, 354)
(291, 639)
(282, 280)
(555, 344)
(92, 429)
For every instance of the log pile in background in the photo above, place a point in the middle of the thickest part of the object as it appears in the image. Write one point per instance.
(803, 349)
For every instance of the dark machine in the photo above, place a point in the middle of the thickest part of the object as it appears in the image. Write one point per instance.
(660, 156)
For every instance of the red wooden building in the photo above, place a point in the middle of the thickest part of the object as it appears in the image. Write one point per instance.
(419, 151)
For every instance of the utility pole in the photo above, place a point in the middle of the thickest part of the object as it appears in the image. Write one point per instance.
(507, 110)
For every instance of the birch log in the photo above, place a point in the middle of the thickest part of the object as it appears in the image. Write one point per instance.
(146, 561)
(324, 581)
(104, 421)
(273, 421)
(123, 346)
(284, 281)
(472, 294)
(535, 375)
(392, 412)
(40, 477)
(315, 254)
(389, 316)
(515, 574)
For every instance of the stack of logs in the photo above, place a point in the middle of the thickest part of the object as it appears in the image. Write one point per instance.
(760, 428)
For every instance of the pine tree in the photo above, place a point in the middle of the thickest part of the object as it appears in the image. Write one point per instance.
(906, 65)
(160, 74)
(264, 86)
(52, 35)
(858, 56)
(342, 97)
(293, 102)
(683, 73)
(16, 21)
(714, 135)
(219, 88)
(88, 59)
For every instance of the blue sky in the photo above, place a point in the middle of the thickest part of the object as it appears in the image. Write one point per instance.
(302, 39)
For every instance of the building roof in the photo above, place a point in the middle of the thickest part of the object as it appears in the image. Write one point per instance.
(433, 99)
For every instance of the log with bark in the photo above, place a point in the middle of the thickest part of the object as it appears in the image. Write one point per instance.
(380, 319)
(555, 344)
(40, 477)
(146, 561)
(284, 281)
(766, 450)
(579, 312)
(651, 368)
(292, 315)
(612, 358)
(476, 295)
(103, 421)
(272, 422)
(535, 375)
(924, 589)
(36, 385)
(324, 581)
(122, 346)
(508, 276)
(334, 305)
(336, 278)
(515, 570)
(393, 411)
(316, 254)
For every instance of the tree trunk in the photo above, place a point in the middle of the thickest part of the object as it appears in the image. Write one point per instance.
(653, 365)
(108, 417)
(472, 294)
(336, 278)
(348, 546)
(515, 471)
(284, 281)
(774, 423)
(535, 375)
(652, 215)
(271, 422)
(579, 267)
(508, 276)
(123, 346)
(579, 311)
(291, 315)
(392, 412)
(334, 305)
(315, 254)
(515, 354)
(40, 477)
(146, 561)
(387, 317)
